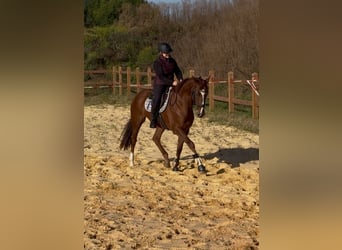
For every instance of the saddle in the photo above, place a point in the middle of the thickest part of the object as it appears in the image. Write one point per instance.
(163, 103)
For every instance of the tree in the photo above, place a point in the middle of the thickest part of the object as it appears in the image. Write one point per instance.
(146, 57)
(212, 34)
(104, 12)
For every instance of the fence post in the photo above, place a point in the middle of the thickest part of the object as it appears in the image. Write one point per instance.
(128, 81)
(191, 73)
(255, 99)
(211, 90)
(149, 76)
(230, 92)
(137, 78)
(114, 79)
(120, 80)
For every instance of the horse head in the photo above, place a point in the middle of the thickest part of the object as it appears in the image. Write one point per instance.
(200, 93)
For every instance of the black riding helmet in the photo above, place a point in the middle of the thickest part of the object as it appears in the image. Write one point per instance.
(164, 48)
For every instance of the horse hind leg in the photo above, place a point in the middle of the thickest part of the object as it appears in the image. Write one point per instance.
(136, 124)
(156, 138)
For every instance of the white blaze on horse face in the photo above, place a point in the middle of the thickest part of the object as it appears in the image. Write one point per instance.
(202, 91)
(131, 159)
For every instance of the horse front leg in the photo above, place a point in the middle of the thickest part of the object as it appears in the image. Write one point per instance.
(178, 153)
(156, 138)
(191, 145)
(200, 166)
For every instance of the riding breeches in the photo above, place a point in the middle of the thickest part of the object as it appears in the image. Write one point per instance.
(158, 91)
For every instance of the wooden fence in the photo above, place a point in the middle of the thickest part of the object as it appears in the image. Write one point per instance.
(117, 79)
(134, 80)
(230, 96)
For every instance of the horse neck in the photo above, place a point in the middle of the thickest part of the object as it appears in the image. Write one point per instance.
(185, 89)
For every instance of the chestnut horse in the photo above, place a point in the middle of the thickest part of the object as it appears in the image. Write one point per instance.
(177, 117)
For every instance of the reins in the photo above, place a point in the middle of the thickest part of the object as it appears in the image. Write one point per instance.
(172, 93)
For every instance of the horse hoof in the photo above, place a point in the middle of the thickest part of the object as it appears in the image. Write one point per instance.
(175, 169)
(202, 169)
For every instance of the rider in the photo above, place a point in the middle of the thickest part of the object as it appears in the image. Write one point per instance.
(165, 68)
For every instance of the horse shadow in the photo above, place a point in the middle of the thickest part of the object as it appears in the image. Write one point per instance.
(234, 156)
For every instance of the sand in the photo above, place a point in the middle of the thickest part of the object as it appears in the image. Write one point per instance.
(149, 206)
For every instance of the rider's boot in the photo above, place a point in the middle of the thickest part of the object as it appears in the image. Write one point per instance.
(154, 120)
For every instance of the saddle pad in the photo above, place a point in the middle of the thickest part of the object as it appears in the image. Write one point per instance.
(148, 105)
(148, 102)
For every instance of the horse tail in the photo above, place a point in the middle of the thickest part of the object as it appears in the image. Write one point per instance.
(126, 136)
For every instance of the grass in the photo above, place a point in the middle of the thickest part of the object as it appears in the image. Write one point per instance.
(241, 119)
(105, 96)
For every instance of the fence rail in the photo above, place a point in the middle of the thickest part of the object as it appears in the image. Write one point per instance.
(230, 96)
(134, 80)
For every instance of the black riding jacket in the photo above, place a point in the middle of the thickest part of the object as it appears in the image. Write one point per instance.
(165, 68)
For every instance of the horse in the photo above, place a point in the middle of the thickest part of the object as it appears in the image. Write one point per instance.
(177, 117)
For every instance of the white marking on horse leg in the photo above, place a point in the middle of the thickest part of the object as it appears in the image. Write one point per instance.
(198, 160)
(175, 162)
(131, 159)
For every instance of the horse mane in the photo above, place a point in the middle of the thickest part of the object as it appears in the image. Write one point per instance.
(179, 86)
